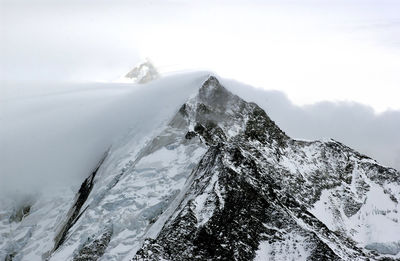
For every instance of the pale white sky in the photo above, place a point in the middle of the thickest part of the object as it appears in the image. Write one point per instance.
(312, 50)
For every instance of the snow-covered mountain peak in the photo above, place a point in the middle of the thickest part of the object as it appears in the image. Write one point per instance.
(142, 73)
(218, 180)
(212, 91)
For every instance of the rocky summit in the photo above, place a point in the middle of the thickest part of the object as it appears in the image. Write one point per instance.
(219, 181)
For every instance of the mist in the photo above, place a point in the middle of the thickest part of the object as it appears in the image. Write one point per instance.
(311, 50)
(356, 125)
(322, 70)
(55, 136)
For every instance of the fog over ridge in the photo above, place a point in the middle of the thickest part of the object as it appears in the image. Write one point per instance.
(56, 138)
(356, 125)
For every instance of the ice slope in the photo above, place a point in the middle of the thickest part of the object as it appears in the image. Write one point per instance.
(53, 141)
(128, 198)
(31, 237)
(137, 186)
(59, 134)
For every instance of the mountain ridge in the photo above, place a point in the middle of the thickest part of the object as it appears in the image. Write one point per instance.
(253, 133)
(220, 162)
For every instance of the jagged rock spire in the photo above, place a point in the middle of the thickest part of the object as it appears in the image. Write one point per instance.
(213, 93)
(143, 72)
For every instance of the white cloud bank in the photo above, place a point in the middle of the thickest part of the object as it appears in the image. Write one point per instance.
(55, 136)
(342, 50)
(312, 50)
(354, 124)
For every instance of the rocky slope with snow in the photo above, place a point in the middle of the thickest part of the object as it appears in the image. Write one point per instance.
(142, 73)
(218, 181)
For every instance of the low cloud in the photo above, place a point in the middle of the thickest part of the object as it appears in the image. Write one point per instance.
(354, 124)
(54, 135)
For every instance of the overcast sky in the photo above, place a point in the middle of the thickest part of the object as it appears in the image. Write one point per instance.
(323, 68)
(353, 124)
(313, 50)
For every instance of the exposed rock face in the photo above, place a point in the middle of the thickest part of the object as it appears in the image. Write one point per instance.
(93, 250)
(20, 213)
(256, 188)
(76, 209)
(221, 181)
